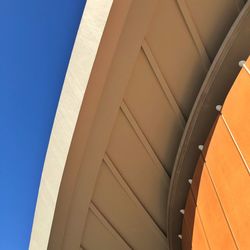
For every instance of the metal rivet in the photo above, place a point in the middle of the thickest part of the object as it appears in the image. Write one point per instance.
(182, 211)
(241, 63)
(190, 181)
(218, 108)
(200, 147)
(180, 236)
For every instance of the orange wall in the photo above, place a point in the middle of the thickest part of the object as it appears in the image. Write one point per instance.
(217, 212)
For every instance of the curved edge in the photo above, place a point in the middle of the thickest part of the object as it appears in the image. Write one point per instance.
(203, 112)
(118, 50)
(84, 52)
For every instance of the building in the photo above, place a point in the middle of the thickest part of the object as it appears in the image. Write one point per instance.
(139, 97)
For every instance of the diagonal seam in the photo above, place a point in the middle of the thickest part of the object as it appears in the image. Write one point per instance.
(236, 144)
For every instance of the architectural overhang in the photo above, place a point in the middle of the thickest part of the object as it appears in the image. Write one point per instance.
(83, 56)
(139, 96)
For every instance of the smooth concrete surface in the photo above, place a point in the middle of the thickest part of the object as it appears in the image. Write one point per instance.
(82, 59)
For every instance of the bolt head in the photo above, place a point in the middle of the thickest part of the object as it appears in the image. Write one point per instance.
(218, 108)
(241, 63)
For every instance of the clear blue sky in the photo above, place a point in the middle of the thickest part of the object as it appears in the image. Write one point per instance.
(36, 41)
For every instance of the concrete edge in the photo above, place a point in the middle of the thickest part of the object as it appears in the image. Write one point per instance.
(81, 62)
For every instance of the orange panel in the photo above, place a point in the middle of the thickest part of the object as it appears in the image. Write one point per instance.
(193, 226)
(220, 186)
(236, 112)
(231, 181)
(210, 210)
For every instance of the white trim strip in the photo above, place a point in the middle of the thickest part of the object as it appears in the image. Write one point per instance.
(83, 56)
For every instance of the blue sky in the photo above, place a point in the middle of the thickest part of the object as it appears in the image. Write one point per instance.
(36, 41)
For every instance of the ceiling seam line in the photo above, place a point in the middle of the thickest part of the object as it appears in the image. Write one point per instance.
(108, 225)
(164, 84)
(131, 194)
(143, 139)
(206, 61)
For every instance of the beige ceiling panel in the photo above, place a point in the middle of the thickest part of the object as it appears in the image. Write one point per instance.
(179, 61)
(99, 234)
(114, 63)
(123, 211)
(151, 109)
(213, 30)
(147, 179)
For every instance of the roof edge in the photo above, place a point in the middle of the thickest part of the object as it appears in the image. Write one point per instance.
(83, 55)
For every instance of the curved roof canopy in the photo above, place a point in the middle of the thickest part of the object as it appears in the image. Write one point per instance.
(138, 98)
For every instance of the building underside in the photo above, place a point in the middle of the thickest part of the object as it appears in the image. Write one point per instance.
(139, 97)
